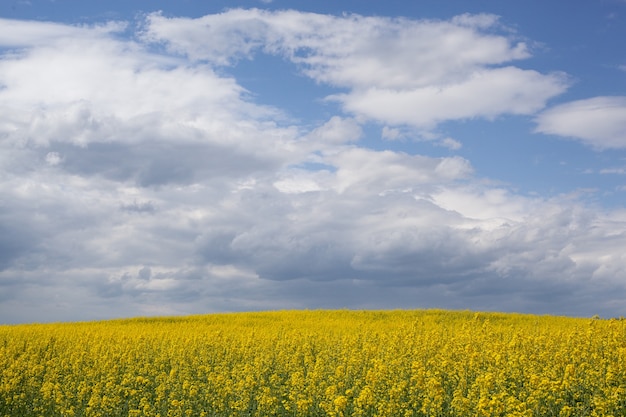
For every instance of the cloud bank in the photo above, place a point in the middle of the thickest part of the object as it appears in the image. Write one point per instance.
(138, 177)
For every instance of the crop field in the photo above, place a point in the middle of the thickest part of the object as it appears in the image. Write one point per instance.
(317, 363)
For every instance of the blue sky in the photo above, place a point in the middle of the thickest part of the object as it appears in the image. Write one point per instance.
(161, 157)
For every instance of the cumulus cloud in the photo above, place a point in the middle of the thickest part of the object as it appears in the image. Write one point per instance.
(599, 122)
(451, 144)
(337, 130)
(397, 71)
(383, 171)
(140, 180)
(484, 94)
(27, 33)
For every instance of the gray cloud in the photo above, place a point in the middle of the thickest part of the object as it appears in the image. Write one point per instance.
(15, 241)
(154, 163)
(139, 207)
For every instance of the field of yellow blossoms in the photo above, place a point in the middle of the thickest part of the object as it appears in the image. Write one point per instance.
(317, 363)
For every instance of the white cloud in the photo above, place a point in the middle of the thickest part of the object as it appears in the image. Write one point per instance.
(234, 35)
(599, 122)
(337, 131)
(381, 171)
(111, 108)
(620, 170)
(302, 181)
(451, 144)
(487, 94)
(398, 71)
(19, 33)
(53, 158)
(390, 133)
(66, 87)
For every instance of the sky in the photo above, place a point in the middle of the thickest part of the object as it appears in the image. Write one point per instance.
(188, 157)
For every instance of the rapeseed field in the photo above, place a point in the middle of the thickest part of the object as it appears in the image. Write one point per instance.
(317, 363)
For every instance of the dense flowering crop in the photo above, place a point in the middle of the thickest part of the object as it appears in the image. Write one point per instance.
(317, 363)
